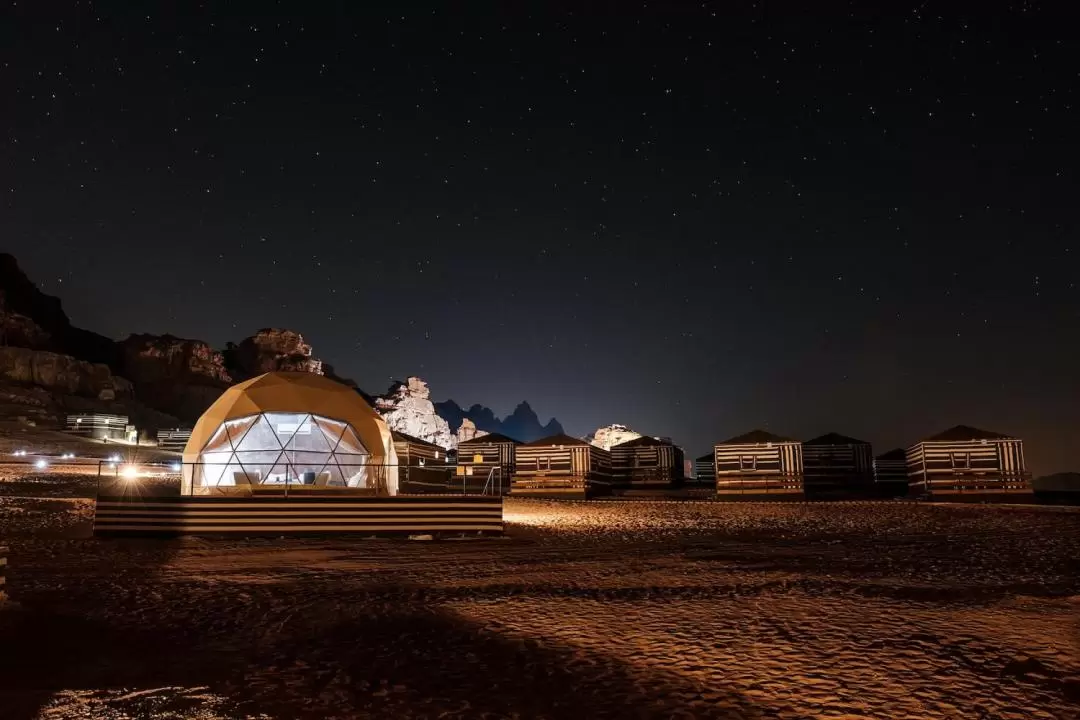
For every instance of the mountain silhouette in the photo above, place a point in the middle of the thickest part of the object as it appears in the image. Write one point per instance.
(522, 424)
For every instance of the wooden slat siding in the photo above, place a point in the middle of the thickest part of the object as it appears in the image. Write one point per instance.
(170, 516)
(839, 471)
(705, 470)
(410, 453)
(646, 465)
(3, 572)
(778, 470)
(561, 470)
(175, 439)
(994, 467)
(88, 423)
(493, 455)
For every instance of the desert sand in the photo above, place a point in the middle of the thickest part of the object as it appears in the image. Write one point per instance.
(618, 609)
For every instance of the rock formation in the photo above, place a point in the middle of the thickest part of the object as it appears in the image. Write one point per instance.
(609, 435)
(468, 431)
(61, 373)
(272, 349)
(37, 321)
(522, 424)
(407, 408)
(174, 375)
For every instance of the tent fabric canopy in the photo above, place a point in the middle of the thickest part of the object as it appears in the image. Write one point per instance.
(295, 392)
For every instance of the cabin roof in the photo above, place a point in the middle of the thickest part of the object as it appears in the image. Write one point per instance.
(966, 432)
(756, 436)
(558, 439)
(896, 454)
(490, 438)
(710, 457)
(402, 437)
(835, 439)
(643, 440)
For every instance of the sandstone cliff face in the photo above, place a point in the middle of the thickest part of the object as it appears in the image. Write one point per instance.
(272, 349)
(177, 376)
(21, 331)
(610, 435)
(154, 358)
(22, 298)
(61, 373)
(407, 408)
(468, 431)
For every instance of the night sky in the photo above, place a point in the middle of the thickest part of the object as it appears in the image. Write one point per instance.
(692, 219)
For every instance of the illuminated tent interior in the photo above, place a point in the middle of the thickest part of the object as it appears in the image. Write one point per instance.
(290, 431)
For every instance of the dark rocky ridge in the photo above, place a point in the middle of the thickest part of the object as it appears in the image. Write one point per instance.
(522, 424)
(46, 362)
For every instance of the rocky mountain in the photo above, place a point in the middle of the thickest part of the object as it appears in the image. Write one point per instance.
(468, 431)
(61, 373)
(522, 424)
(609, 435)
(272, 349)
(45, 360)
(407, 408)
(31, 319)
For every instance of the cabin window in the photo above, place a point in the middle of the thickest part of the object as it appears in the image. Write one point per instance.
(748, 462)
(961, 461)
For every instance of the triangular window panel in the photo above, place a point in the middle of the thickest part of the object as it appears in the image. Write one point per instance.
(264, 467)
(331, 429)
(309, 437)
(261, 437)
(238, 428)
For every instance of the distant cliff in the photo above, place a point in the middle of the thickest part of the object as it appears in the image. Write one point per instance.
(610, 435)
(182, 377)
(522, 424)
(407, 408)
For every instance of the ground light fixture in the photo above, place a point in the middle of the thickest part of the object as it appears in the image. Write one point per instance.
(41, 464)
(129, 472)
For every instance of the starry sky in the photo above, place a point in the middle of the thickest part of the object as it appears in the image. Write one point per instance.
(695, 219)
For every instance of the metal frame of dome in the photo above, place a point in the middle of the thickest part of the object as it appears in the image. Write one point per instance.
(294, 392)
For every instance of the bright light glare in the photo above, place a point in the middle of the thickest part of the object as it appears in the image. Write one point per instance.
(41, 464)
(175, 467)
(114, 458)
(129, 472)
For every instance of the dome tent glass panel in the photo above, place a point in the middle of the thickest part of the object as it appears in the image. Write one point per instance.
(278, 448)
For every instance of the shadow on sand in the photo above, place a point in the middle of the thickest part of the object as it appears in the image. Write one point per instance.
(380, 656)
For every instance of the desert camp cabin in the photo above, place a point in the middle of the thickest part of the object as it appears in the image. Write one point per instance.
(759, 466)
(837, 467)
(966, 464)
(646, 462)
(490, 457)
(422, 465)
(890, 474)
(561, 466)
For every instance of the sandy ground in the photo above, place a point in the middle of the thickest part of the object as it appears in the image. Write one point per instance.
(618, 609)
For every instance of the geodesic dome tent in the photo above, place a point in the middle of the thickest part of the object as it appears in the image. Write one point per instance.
(289, 429)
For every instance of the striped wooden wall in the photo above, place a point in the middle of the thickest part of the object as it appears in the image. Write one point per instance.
(705, 469)
(411, 453)
(642, 465)
(175, 439)
(841, 471)
(561, 470)
(971, 468)
(481, 457)
(3, 572)
(759, 469)
(185, 515)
